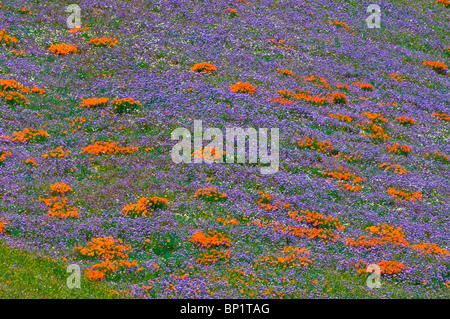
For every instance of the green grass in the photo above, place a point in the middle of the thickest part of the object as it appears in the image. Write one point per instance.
(25, 275)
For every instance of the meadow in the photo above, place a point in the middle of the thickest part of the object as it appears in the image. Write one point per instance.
(87, 178)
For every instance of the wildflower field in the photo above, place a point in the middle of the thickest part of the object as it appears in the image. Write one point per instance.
(87, 178)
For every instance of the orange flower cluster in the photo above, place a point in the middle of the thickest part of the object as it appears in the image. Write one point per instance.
(3, 155)
(340, 24)
(204, 67)
(428, 249)
(315, 99)
(58, 207)
(318, 81)
(14, 98)
(60, 188)
(396, 77)
(210, 154)
(3, 222)
(400, 149)
(285, 72)
(319, 233)
(445, 3)
(101, 148)
(104, 42)
(341, 117)
(310, 233)
(401, 194)
(397, 168)
(350, 158)
(338, 98)
(105, 267)
(405, 120)
(286, 94)
(265, 201)
(442, 116)
(386, 267)
(25, 10)
(343, 175)
(342, 86)
(212, 239)
(279, 43)
(447, 284)
(62, 48)
(213, 255)
(104, 247)
(375, 131)
(58, 152)
(281, 100)
(447, 49)
(317, 219)
(439, 155)
(78, 29)
(384, 234)
(210, 193)
(375, 117)
(311, 143)
(30, 161)
(231, 10)
(95, 102)
(125, 104)
(13, 85)
(5, 38)
(388, 104)
(232, 221)
(439, 67)
(241, 87)
(35, 89)
(290, 257)
(364, 86)
(30, 134)
(144, 206)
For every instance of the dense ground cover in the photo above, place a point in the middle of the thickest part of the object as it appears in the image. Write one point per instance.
(85, 144)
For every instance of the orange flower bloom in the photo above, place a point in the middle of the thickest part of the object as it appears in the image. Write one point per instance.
(5, 38)
(400, 149)
(30, 134)
(339, 98)
(3, 222)
(311, 143)
(60, 188)
(242, 88)
(58, 152)
(204, 67)
(439, 67)
(100, 148)
(144, 206)
(341, 117)
(104, 42)
(442, 116)
(400, 194)
(405, 120)
(396, 77)
(104, 247)
(62, 49)
(210, 239)
(210, 193)
(285, 72)
(94, 102)
(364, 86)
